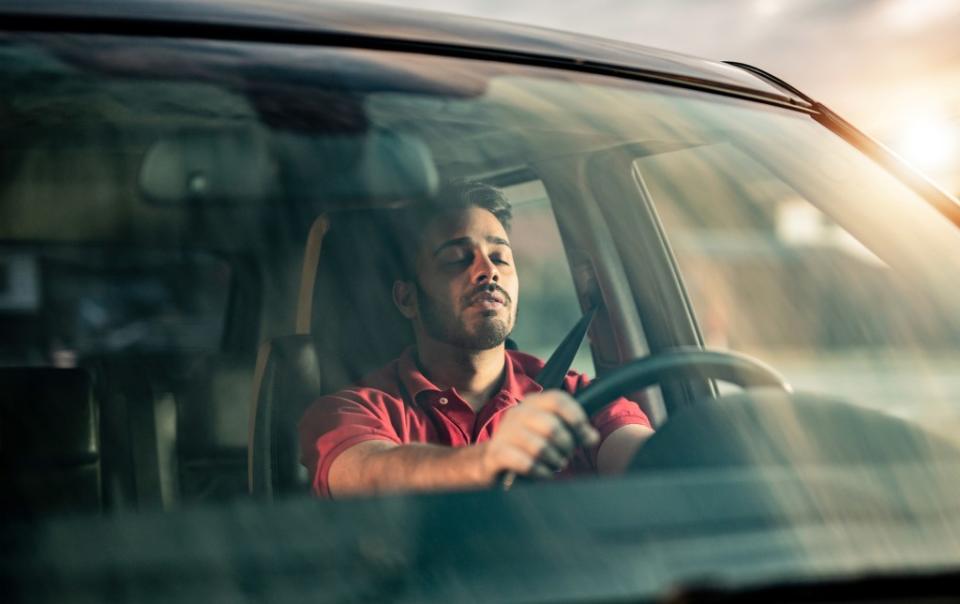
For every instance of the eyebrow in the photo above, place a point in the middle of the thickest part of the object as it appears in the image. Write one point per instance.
(466, 240)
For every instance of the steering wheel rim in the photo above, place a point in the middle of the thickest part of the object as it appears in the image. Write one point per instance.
(683, 362)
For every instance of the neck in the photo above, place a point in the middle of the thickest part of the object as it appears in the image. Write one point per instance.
(475, 374)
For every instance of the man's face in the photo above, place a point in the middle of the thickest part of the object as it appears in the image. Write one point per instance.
(467, 285)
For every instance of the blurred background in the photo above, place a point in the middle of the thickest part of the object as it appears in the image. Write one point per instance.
(892, 67)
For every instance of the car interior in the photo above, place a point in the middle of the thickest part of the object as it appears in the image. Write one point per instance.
(196, 244)
(176, 287)
(199, 235)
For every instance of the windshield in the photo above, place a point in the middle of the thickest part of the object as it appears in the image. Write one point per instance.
(185, 226)
(809, 256)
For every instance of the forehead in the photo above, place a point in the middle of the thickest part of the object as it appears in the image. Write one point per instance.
(475, 223)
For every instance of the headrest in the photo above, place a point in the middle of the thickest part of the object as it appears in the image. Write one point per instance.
(350, 262)
(47, 417)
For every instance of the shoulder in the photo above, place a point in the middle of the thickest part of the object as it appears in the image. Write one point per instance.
(385, 380)
(380, 389)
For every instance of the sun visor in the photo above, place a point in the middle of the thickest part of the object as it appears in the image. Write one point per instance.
(243, 166)
(233, 166)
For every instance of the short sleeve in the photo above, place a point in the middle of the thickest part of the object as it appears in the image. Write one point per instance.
(619, 413)
(333, 424)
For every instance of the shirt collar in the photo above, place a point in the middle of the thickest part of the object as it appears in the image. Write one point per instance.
(413, 380)
(516, 383)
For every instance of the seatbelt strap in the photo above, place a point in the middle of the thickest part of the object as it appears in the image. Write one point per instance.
(559, 363)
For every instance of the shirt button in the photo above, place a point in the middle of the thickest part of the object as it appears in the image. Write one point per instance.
(443, 400)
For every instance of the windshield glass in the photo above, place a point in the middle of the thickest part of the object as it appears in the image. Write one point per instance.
(193, 232)
(809, 256)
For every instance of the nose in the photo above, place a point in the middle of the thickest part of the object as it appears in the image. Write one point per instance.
(485, 270)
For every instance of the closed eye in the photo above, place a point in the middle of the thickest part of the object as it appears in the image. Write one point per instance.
(456, 258)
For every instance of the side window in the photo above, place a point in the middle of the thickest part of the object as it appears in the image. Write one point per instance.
(548, 306)
(771, 275)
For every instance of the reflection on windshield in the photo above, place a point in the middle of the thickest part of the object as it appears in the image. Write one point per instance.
(174, 217)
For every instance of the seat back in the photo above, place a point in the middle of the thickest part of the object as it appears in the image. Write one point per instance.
(286, 381)
(355, 325)
(211, 432)
(49, 442)
(347, 326)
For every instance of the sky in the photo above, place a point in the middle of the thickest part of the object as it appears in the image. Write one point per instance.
(891, 67)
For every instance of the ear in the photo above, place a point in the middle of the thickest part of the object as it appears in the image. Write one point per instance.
(405, 297)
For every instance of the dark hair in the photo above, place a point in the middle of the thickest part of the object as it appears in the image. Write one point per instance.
(454, 196)
(462, 195)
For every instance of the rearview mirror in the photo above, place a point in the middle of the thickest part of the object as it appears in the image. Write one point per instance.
(248, 166)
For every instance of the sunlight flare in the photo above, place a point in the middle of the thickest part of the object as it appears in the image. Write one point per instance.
(929, 143)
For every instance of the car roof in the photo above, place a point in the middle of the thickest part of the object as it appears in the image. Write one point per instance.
(369, 24)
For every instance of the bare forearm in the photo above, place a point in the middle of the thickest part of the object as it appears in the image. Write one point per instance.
(379, 467)
(618, 449)
(535, 438)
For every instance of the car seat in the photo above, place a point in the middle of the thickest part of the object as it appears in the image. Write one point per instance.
(346, 326)
(49, 442)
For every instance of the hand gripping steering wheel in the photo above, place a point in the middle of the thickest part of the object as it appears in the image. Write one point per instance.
(685, 362)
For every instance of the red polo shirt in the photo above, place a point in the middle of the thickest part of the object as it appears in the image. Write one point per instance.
(399, 404)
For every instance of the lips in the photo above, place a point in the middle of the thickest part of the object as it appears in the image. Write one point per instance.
(489, 299)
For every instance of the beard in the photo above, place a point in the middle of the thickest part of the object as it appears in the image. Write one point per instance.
(443, 325)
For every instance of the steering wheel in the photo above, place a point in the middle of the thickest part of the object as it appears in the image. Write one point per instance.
(762, 428)
(684, 362)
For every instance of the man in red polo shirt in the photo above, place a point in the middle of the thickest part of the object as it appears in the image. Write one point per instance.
(457, 409)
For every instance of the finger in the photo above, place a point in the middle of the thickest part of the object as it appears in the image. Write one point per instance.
(572, 413)
(588, 435)
(553, 458)
(555, 430)
(543, 452)
(563, 439)
(541, 471)
(519, 461)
